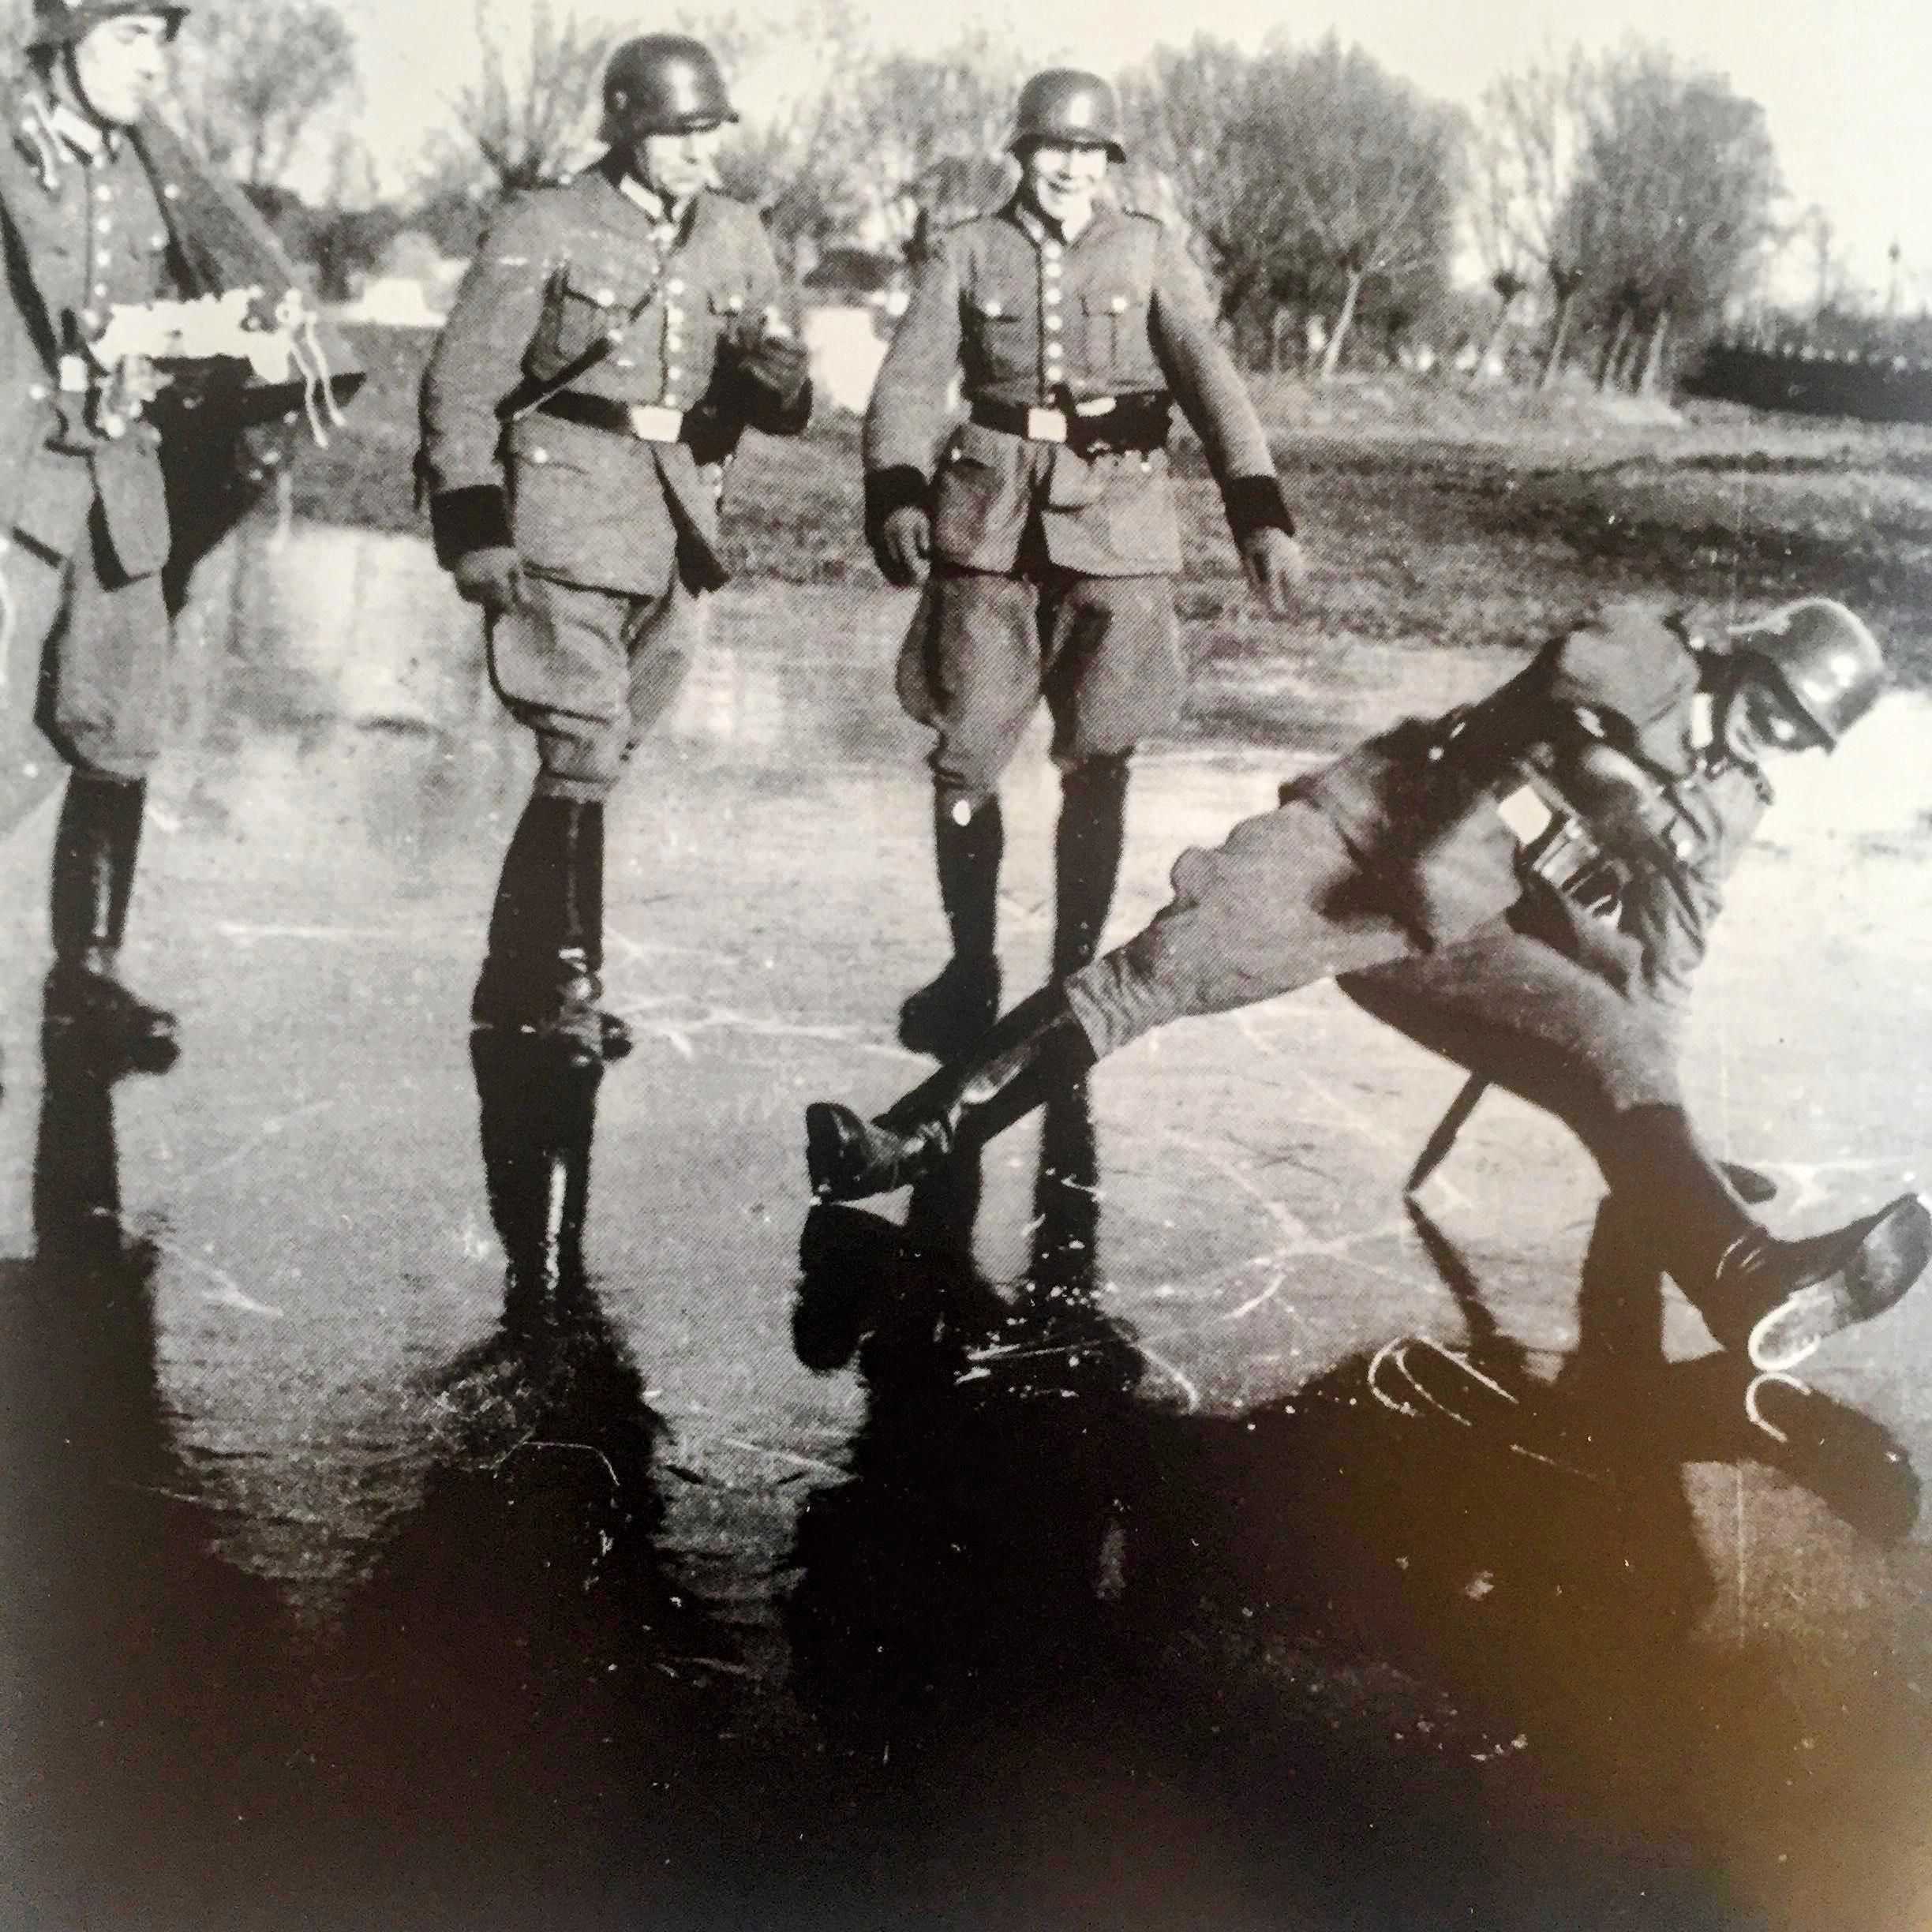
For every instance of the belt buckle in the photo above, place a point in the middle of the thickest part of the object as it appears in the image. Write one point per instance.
(1046, 426)
(655, 423)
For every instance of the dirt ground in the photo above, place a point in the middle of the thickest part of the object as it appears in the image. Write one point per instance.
(1068, 1547)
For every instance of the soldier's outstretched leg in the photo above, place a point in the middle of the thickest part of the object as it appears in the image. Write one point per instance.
(1037, 1047)
(540, 977)
(1087, 856)
(95, 849)
(1772, 1299)
(944, 1017)
(1522, 1014)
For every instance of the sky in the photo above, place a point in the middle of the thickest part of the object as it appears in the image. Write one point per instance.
(1846, 90)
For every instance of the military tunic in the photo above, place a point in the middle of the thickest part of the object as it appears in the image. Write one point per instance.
(90, 554)
(1050, 563)
(1435, 928)
(616, 532)
(87, 519)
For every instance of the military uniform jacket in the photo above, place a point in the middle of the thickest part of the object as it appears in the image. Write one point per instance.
(144, 222)
(558, 269)
(1636, 671)
(1024, 318)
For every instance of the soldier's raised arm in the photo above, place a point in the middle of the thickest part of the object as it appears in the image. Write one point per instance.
(1208, 386)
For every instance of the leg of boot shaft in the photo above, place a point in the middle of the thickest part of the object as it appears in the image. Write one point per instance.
(944, 1016)
(1036, 1048)
(1087, 857)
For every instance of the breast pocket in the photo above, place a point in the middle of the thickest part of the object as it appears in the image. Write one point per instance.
(1111, 319)
(991, 325)
(586, 302)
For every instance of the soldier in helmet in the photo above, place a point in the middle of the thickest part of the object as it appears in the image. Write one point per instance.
(613, 338)
(1445, 874)
(106, 216)
(1047, 520)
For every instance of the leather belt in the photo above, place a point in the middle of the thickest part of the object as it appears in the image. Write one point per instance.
(648, 422)
(1093, 426)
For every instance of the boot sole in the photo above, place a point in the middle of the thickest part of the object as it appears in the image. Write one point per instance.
(1891, 1256)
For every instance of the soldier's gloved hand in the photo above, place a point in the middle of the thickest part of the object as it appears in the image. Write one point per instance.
(777, 363)
(1276, 566)
(493, 577)
(904, 545)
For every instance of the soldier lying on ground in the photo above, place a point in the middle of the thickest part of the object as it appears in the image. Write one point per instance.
(1438, 873)
(612, 340)
(1048, 518)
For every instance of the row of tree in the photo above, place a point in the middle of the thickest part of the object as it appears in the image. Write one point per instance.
(1617, 202)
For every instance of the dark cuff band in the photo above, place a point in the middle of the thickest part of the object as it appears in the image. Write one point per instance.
(463, 520)
(787, 415)
(1255, 503)
(900, 488)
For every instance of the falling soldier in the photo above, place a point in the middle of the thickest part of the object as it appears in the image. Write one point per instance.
(1048, 522)
(614, 337)
(1440, 873)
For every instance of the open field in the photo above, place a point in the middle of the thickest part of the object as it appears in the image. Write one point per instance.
(1436, 515)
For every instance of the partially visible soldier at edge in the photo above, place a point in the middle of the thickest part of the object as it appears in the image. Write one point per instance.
(104, 210)
(614, 337)
(1438, 873)
(1049, 521)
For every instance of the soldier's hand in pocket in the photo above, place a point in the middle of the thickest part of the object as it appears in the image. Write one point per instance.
(905, 544)
(493, 577)
(1277, 566)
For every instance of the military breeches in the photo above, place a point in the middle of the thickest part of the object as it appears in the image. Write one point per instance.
(1281, 904)
(589, 671)
(982, 650)
(1515, 1009)
(85, 661)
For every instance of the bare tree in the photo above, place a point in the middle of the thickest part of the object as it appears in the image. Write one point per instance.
(1680, 178)
(924, 128)
(255, 78)
(1532, 130)
(1368, 173)
(526, 113)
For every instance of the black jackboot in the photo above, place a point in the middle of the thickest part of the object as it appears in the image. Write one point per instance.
(1087, 857)
(537, 1118)
(944, 1017)
(546, 937)
(1037, 1048)
(1773, 1300)
(95, 849)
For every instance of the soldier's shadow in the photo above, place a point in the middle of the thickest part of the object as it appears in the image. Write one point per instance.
(527, 1698)
(1079, 1654)
(155, 1708)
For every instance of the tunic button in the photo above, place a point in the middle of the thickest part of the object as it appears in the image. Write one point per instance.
(103, 192)
(675, 286)
(1052, 251)
(1053, 324)
(605, 298)
(627, 362)
(540, 455)
(673, 373)
(105, 225)
(100, 288)
(88, 318)
(1053, 299)
(36, 392)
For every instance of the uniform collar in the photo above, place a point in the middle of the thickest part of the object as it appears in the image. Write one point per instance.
(88, 140)
(1040, 231)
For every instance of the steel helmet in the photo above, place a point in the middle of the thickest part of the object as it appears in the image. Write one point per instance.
(1820, 656)
(1067, 106)
(61, 23)
(665, 84)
